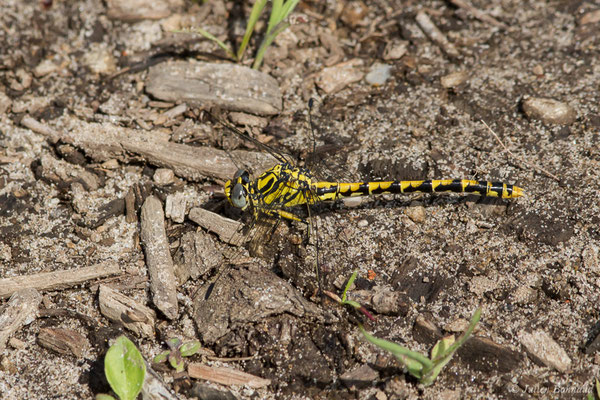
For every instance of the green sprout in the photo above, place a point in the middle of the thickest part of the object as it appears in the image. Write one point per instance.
(177, 351)
(592, 396)
(125, 370)
(344, 300)
(418, 365)
(280, 10)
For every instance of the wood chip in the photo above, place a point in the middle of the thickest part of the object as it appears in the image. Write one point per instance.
(154, 388)
(20, 310)
(120, 308)
(175, 206)
(228, 86)
(226, 376)
(228, 230)
(436, 35)
(198, 256)
(37, 127)
(58, 279)
(137, 10)
(130, 210)
(158, 257)
(544, 350)
(63, 341)
(106, 141)
(480, 15)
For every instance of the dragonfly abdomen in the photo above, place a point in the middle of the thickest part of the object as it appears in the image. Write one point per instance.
(337, 190)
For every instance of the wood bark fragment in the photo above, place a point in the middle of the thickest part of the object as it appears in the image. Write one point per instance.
(229, 86)
(120, 308)
(480, 15)
(57, 279)
(154, 388)
(63, 341)
(158, 257)
(104, 141)
(436, 35)
(20, 310)
(228, 230)
(130, 210)
(226, 376)
(38, 127)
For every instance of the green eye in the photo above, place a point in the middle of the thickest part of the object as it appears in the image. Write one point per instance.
(238, 196)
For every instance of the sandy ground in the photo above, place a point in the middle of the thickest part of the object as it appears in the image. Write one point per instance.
(424, 262)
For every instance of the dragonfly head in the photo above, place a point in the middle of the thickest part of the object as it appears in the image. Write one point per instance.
(236, 189)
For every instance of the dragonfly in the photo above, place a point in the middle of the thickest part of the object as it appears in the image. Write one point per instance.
(281, 189)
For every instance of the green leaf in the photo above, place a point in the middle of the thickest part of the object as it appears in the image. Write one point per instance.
(174, 343)
(161, 357)
(441, 347)
(275, 16)
(414, 362)
(124, 368)
(277, 24)
(257, 10)
(104, 396)
(207, 35)
(176, 361)
(444, 350)
(350, 282)
(189, 348)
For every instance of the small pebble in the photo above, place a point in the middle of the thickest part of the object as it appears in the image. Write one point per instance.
(22, 80)
(538, 70)
(163, 176)
(544, 350)
(5, 102)
(549, 111)
(363, 223)
(16, 343)
(378, 74)
(591, 17)
(100, 61)
(454, 79)
(44, 68)
(137, 10)
(395, 50)
(335, 78)
(110, 164)
(416, 214)
(354, 13)
(458, 325)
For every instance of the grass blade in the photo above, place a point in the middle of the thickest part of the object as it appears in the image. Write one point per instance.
(214, 39)
(257, 10)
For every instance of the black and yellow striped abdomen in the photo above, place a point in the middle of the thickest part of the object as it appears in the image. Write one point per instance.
(336, 190)
(284, 186)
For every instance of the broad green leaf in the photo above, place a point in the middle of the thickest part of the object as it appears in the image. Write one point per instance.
(161, 357)
(176, 361)
(124, 368)
(174, 343)
(104, 396)
(189, 348)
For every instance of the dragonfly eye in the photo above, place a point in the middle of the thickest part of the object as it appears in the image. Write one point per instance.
(238, 196)
(242, 173)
